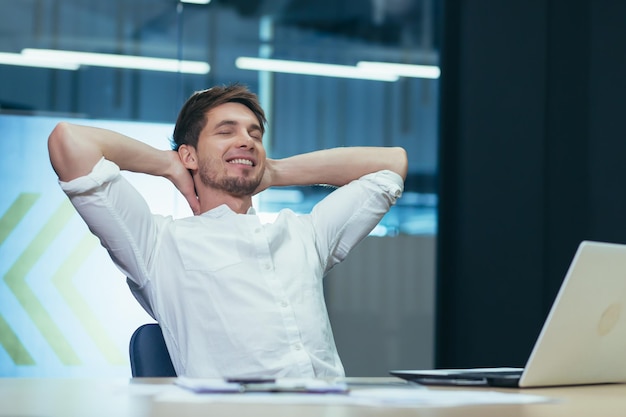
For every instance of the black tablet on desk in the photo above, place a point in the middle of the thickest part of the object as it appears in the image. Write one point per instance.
(493, 377)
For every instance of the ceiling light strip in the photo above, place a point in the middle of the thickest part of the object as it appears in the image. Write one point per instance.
(312, 68)
(403, 70)
(119, 61)
(25, 61)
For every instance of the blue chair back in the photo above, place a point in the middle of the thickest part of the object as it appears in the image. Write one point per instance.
(149, 356)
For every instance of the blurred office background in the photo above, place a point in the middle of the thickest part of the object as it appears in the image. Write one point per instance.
(64, 308)
(516, 155)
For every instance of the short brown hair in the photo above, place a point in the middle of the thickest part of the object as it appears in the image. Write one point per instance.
(192, 117)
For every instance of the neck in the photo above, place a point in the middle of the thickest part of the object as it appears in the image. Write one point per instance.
(210, 198)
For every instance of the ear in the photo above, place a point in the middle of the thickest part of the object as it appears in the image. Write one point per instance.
(188, 156)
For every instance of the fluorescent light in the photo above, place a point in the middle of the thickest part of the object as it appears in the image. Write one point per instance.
(25, 61)
(119, 61)
(403, 70)
(196, 1)
(312, 68)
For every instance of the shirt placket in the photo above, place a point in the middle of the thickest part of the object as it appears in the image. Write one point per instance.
(283, 305)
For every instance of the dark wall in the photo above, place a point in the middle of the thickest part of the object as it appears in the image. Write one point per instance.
(532, 161)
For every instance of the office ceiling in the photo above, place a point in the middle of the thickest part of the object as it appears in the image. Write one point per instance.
(389, 23)
(392, 22)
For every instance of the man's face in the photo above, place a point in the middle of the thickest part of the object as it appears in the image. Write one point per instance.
(230, 150)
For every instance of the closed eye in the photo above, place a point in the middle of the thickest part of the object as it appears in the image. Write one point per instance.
(256, 135)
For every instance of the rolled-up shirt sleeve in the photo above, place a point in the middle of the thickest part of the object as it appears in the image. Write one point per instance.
(350, 213)
(119, 216)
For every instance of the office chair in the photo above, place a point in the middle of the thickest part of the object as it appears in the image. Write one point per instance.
(149, 356)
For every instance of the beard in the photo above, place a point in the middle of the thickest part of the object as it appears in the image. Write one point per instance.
(237, 186)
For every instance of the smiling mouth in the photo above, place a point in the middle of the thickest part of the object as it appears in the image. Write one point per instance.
(241, 161)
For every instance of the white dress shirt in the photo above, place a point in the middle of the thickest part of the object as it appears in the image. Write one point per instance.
(234, 297)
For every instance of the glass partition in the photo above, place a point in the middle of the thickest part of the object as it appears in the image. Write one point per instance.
(328, 72)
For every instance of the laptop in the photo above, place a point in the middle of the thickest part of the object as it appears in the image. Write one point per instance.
(583, 340)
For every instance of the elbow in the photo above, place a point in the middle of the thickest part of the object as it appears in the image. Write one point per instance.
(400, 162)
(60, 148)
(58, 139)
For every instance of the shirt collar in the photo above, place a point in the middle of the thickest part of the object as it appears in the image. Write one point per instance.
(224, 210)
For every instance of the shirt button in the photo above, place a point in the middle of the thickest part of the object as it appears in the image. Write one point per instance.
(257, 230)
(284, 304)
(267, 267)
(297, 346)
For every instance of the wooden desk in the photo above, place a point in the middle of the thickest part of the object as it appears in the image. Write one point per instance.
(26, 397)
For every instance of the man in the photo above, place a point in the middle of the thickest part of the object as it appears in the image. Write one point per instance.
(234, 297)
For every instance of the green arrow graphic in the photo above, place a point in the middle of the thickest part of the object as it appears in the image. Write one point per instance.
(9, 220)
(13, 346)
(16, 213)
(63, 281)
(16, 280)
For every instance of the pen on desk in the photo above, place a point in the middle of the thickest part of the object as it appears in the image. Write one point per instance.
(251, 380)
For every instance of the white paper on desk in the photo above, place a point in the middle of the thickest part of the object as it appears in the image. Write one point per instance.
(385, 397)
(404, 397)
(299, 385)
(208, 386)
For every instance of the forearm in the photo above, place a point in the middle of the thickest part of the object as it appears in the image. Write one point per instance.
(74, 150)
(337, 166)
